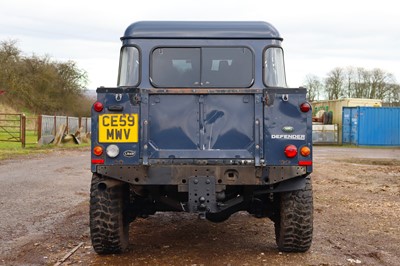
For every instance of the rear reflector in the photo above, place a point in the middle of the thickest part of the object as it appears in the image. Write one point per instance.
(305, 163)
(98, 106)
(97, 161)
(305, 107)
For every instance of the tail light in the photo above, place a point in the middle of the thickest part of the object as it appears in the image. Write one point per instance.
(305, 151)
(98, 150)
(305, 107)
(98, 106)
(290, 151)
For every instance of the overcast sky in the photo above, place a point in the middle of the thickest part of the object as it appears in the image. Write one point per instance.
(318, 35)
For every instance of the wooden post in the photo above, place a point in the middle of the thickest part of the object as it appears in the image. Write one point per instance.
(55, 125)
(23, 130)
(79, 121)
(67, 124)
(39, 131)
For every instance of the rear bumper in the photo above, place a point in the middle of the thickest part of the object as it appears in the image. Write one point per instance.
(180, 174)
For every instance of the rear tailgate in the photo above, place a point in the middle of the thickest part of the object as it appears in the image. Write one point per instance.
(203, 124)
(156, 126)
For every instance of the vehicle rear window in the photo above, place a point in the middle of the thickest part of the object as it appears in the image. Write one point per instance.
(202, 67)
(128, 67)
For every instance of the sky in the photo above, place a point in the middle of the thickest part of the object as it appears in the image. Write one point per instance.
(318, 35)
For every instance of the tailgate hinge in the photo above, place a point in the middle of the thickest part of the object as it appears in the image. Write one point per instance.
(137, 99)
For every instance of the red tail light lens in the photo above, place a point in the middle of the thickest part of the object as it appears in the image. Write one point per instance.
(305, 107)
(98, 106)
(290, 151)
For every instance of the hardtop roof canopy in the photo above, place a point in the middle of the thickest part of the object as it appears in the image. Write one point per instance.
(201, 30)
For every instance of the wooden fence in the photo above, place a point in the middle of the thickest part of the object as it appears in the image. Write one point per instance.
(14, 127)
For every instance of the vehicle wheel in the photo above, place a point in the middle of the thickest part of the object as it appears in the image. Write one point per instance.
(294, 220)
(109, 226)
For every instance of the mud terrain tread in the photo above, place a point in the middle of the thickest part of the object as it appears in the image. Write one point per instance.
(294, 225)
(108, 229)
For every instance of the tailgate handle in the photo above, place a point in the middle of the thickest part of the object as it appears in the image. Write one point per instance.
(115, 108)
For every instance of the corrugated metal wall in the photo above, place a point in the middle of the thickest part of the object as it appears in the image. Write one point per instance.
(371, 126)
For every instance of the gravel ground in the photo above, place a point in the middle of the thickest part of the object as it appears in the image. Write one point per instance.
(44, 215)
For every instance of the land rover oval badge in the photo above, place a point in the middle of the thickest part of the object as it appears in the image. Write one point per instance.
(129, 153)
(287, 129)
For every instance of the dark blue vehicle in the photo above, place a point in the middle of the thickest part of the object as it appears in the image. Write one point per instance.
(201, 121)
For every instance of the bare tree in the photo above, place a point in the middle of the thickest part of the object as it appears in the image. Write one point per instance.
(362, 83)
(393, 96)
(356, 83)
(314, 87)
(380, 84)
(350, 82)
(334, 84)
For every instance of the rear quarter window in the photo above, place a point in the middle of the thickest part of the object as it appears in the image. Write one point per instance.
(129, 63)
(274, 68)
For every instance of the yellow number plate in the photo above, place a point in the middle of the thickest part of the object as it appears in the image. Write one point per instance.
(119, 128)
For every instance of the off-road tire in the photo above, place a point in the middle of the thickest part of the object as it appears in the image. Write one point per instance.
(294, 220)
(109, 226)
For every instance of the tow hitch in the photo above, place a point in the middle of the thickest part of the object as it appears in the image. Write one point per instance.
(202, 196)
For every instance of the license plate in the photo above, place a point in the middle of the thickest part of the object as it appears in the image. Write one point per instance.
(118, 128)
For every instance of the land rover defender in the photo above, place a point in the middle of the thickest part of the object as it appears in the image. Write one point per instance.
(201, 121)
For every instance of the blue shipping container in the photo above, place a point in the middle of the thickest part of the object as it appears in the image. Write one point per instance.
(372, 126)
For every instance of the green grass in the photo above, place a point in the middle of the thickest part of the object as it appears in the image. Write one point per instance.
(7, 152)
(10, 150)
(31, 139)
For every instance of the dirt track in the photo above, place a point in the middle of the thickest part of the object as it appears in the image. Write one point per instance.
(44, 215)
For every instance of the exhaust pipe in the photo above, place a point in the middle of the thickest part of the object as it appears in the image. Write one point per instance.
(103, 185)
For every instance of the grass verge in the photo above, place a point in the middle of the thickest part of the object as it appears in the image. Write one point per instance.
(12, 150)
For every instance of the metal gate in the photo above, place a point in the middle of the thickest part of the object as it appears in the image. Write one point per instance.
(12, 128)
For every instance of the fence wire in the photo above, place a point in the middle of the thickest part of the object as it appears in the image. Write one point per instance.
(50, 124)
